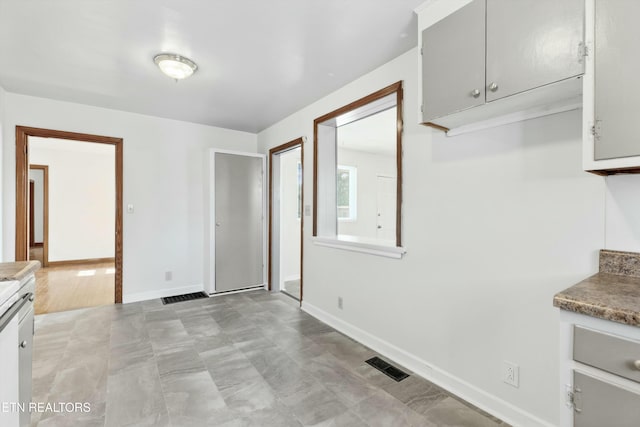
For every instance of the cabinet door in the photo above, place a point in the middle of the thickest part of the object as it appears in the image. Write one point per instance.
(600, 404)
(616, 79)
(531, 43)
(453, 62)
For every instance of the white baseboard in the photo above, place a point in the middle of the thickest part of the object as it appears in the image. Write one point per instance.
(291, 278)
(160, 293)
(472, 394)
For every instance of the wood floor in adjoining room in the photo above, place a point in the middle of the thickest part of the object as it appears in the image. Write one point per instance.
(70, 287)
(36, 254)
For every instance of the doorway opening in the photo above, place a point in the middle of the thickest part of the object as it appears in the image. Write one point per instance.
(82, 181)
(39, 213)
(286, 218)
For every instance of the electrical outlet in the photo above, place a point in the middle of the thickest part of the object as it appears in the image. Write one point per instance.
(168, 276)
(340, 303)
(511, 373)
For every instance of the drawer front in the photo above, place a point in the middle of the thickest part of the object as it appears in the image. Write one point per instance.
(611, 353)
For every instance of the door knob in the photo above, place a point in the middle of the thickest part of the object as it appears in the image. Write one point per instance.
(23, 344)
(217, 224)
(379, 227)
(493, 87)
(475, 93)
(637, 364)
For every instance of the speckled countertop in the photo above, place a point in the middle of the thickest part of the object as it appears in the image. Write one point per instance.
(17, 270)
(612, 294)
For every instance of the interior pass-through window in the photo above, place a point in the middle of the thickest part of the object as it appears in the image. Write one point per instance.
(358, 170)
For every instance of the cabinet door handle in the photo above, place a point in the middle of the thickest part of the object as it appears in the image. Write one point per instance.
(637, 364)
(493, 87)
(475, 93)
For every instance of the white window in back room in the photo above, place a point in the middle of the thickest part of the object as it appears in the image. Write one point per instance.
(346, 193)
(357, 190)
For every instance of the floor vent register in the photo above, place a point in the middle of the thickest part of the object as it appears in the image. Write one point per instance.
(387, 369)
(185, 297)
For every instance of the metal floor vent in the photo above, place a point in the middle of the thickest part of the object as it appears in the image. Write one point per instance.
(185, 297)
(387, 369)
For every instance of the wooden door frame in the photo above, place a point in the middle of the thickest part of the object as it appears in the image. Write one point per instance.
(22, 187)
(298, 142)
(45, 213)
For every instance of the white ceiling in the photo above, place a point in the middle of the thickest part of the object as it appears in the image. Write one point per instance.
(259, 60)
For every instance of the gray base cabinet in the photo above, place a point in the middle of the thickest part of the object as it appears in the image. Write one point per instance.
(600, 404)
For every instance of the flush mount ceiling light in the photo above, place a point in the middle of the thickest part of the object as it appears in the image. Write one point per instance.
(175, 66)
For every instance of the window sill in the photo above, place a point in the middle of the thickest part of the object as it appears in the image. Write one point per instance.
(355, 244)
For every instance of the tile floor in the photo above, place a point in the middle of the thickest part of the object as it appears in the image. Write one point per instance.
(248, 359)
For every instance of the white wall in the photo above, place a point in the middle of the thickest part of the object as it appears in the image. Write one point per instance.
(494, 224)
(289, 222)
(3, 95)
(369, 166)
(37, 175)
(82, 195)
(623, 213)
(163, 179)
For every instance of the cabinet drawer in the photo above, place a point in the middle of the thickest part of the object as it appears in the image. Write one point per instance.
(611, 353)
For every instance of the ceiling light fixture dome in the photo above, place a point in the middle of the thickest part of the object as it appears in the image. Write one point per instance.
(175, 66)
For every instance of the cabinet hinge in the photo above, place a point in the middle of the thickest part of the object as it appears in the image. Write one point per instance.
(596, 129)
(583, 50)
(574, 399)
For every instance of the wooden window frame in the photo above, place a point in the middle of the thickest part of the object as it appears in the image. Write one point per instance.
(396, 88)
(22, 191)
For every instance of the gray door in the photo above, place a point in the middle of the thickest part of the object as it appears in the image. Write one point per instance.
(238, 221)
(616, 79)
(453, 62)
(601, 404)
(531, 43)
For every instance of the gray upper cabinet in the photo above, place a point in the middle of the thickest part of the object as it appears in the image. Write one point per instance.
(531, 43)
(493, 49)
(616, 79)
(453, 62)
